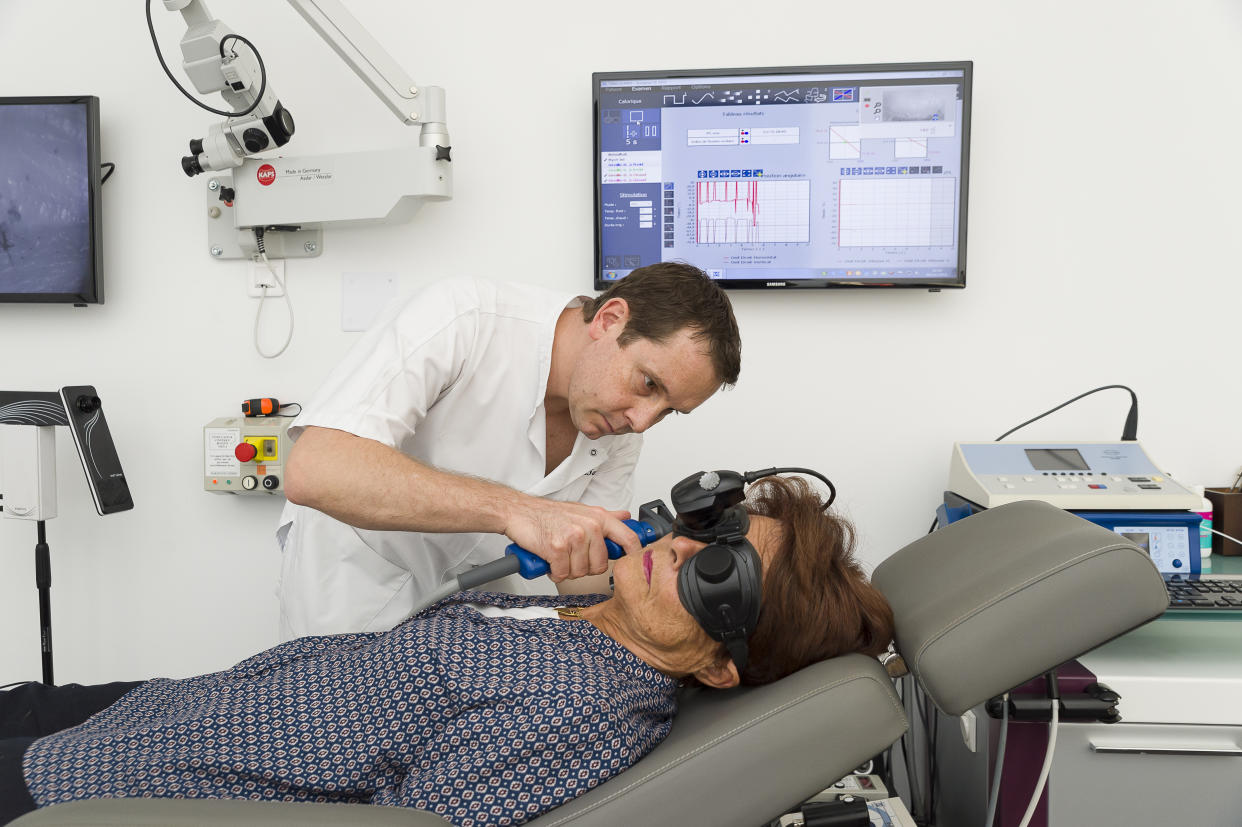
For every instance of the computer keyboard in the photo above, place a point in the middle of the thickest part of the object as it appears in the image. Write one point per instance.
(1207, 593)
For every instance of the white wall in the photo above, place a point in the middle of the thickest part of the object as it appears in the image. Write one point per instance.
(1103, 248)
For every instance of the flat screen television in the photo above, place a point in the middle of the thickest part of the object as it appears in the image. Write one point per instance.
(809, 176)
(50, 230)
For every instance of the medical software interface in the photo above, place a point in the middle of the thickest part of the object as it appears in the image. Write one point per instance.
(841, 177)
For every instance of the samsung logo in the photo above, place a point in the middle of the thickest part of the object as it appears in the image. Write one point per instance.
(775, 284)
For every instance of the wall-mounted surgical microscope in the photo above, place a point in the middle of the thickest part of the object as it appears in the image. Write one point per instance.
(28, 472)
(277, 206)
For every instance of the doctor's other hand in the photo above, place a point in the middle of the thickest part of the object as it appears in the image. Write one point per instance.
(569, 536)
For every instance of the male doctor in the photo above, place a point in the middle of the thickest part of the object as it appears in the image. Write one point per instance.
(481, 413)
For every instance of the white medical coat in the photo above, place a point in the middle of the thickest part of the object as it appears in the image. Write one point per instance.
(455, 378)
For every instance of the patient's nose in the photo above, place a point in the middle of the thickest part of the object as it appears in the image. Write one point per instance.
(683, 549)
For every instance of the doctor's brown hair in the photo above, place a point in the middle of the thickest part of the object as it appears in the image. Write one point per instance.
(817, 602)
(670, 296)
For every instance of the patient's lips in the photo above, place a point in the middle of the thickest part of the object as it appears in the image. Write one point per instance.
(647, 565)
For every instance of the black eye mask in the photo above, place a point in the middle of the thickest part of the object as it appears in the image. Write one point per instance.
(722, 585)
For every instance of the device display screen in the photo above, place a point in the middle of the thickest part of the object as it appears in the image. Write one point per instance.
(1056, 459)
(1169, 546)
(830, 176)
(49, 193)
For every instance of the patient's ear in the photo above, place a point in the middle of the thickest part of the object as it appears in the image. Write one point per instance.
(720, 675)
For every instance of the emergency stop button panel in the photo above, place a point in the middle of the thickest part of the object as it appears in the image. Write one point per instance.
(245, 454)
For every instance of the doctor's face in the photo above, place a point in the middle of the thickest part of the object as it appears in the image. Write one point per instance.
(616, 389)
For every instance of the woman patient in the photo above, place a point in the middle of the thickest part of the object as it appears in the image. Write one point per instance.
(484, 709)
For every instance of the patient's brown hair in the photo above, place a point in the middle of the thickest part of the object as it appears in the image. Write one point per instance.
(817, 602)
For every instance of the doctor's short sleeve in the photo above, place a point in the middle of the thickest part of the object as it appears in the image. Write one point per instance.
(385, 385)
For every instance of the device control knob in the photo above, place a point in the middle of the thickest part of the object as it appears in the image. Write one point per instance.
(250, 482)
(255, 139)
(271, 483)
(245, 452)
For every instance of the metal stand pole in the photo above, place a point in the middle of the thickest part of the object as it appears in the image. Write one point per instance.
(43, 580)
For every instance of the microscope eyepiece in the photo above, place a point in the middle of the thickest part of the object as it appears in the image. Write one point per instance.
(279, 125)
(191, 166)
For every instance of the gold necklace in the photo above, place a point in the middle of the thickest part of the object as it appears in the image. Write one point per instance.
(569, 612)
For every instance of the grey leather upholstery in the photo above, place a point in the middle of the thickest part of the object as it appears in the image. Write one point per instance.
(743, 756)
(981, 607)
(994, 600)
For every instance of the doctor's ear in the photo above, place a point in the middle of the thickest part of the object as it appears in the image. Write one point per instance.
(614, 313)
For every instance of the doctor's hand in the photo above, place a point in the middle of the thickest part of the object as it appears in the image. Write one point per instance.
(569, 536)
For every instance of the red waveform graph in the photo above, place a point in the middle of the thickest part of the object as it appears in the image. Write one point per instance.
(737, 212)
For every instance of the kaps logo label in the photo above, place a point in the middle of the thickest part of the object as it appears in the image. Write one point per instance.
(266, 175)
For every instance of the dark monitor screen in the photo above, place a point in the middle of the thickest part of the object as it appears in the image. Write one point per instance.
(823, 176)
(49, 200)
(1056, 459)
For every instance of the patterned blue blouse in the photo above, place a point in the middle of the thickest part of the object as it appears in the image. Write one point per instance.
(480, 720)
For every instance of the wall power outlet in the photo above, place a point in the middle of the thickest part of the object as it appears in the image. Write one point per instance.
(261, 276)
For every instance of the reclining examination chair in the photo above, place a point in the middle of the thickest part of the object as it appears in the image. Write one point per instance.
(981, 607)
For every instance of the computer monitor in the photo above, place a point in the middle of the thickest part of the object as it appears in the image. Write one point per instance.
(50, 229)
(819, 176)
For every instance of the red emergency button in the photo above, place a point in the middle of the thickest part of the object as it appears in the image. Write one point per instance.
(245, 451)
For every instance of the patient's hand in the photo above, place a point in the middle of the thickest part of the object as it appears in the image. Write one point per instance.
(569, 536)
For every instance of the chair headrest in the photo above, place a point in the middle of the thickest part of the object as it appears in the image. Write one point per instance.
(991, 601)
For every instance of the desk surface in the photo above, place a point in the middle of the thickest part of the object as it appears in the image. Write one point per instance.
(1184, 668)
(1220, 564)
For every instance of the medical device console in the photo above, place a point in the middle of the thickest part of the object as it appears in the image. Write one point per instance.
(820, 176)
(1069, 475)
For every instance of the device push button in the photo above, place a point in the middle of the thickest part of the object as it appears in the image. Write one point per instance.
(245, 452)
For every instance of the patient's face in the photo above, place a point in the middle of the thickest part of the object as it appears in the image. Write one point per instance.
(646, 586)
